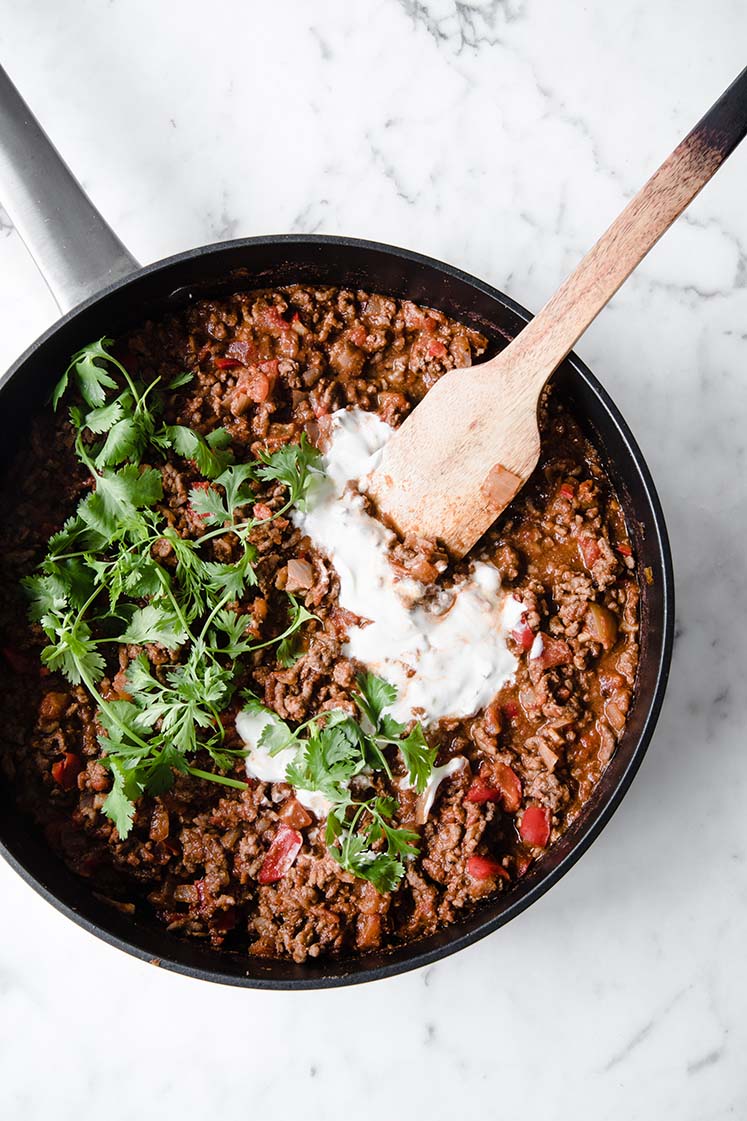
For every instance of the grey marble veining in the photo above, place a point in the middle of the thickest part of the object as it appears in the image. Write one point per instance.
(502, 135)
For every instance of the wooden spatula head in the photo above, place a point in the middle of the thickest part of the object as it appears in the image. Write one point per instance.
(460, 457)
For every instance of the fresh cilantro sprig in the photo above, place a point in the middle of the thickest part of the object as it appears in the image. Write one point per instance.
(102, 582)
(333, 750)
(295, 466)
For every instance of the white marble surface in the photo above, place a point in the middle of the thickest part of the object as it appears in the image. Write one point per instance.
(501, 135)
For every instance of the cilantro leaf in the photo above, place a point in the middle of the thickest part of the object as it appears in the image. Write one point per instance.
(294, 465)
(418, 757)
(93, 379)
(276, 735)
(289, 649)
(375, 695)
(233, 480)
(103, 418)
(118, 496)
(119, 804)
(74, 535)
(127, 439)
(206, 451)
(180, 380)
(155, 623)
(71, 649)
(208, 504)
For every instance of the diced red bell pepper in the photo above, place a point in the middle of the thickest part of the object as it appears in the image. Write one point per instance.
(523, 636)
(480, 791)
(535, 826)
(486, 868)
(281, 855)
(436, 349)
(625, 550)
(567, 491)
(227, 363)
(589, 549)
(66, 770)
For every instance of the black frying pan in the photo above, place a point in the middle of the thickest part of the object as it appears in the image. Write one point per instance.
(79, 256)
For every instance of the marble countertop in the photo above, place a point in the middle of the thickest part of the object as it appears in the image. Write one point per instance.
(500, 135)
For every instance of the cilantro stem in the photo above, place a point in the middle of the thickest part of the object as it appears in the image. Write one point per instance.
(224, 780)
(165, 582)
(218, 607)
(140, 400)
(109, 709)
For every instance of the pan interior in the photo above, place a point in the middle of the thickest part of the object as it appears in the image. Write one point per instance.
(213, 273)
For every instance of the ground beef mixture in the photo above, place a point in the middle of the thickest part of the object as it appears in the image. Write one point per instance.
(268, 365)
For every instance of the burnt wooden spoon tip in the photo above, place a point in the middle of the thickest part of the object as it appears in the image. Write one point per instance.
(467, 449)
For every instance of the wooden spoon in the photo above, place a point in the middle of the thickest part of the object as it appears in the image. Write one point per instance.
(471, 444)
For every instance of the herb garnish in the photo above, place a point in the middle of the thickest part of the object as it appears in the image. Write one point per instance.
(334, 748)
(101, 582)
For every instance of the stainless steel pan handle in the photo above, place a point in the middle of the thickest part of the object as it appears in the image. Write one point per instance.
(75, 250)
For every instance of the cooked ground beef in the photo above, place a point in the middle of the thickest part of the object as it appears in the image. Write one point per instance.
(268, 365)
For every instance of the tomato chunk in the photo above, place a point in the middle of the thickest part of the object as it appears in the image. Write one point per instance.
(281, 855)
(486, 868)
(555, 652)
(227, 363)
(66, 770)
(293, 814)
(480, 791)
(535, 826)
(589, 549)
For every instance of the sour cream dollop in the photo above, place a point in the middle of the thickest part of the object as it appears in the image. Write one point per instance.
(449, 662)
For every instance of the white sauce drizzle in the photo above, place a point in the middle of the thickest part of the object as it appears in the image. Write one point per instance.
(447, 664)
(436, 777)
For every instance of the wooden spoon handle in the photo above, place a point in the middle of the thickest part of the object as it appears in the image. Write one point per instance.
(548, 338)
